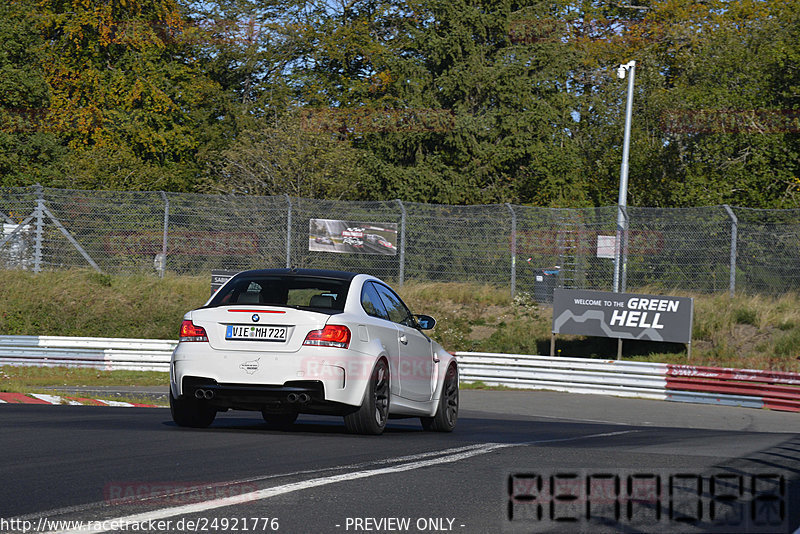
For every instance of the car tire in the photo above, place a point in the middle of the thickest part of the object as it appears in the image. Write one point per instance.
(279, 420)
(371, 416)
(190, 412)
(447, 411)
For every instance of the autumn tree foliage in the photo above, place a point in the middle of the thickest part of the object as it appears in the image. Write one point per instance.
(123, 94)
(451, 101)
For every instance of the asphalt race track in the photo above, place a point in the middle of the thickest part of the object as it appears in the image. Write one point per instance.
(613, 465)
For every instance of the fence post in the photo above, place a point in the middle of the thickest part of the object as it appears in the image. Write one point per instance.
(618, 247)
(288, 232)
(621, 255)
(734, 238)
(402, 266)
(513, 250)
(625, 233)
(162, 266)
(39, 212)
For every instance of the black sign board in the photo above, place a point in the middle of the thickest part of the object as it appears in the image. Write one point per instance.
(219, 277)
(623, 315)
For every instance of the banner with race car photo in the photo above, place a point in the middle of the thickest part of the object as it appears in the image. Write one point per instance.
(351, 237)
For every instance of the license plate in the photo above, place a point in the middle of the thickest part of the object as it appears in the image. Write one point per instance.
(255, 333)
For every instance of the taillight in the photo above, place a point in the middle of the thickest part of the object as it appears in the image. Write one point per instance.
(332, 335)
(190, 332)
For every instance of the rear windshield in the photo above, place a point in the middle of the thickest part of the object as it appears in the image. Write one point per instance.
(324, 294)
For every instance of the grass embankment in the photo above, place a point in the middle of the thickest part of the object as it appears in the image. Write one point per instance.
(90, 304)
(35, 379)
(746, 331)
(50, 379)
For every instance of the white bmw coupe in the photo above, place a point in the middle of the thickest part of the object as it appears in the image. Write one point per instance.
(292, 341)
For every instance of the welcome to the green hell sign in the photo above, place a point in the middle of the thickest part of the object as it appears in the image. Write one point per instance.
(622, 315)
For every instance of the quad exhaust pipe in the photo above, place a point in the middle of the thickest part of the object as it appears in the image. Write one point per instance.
(298, 398)
(291, 398)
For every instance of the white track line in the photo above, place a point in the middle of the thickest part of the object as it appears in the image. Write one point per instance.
(446, 456)
(82, 508)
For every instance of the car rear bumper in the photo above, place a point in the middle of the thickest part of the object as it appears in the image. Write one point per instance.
(306, 396)
(247, 380)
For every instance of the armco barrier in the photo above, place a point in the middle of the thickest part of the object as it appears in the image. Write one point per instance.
(573, 375)
(681, 383)
(777, 390)
(95, 352)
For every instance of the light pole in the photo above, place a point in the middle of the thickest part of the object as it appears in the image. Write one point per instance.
(630, 68)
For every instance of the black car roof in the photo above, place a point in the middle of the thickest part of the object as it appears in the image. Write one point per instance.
(321, 273)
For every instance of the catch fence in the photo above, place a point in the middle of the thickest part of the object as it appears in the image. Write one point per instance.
(702, 249)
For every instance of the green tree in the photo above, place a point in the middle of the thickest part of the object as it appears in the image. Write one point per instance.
(474, 114)
(27, 146)
(123, 82)
(281, 156)
(713, 105)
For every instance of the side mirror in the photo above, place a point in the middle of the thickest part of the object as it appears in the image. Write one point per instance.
(425, 322)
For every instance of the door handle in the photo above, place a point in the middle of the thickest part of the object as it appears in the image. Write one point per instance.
(403, 339)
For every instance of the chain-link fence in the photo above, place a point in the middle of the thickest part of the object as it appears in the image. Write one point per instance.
(718, 248)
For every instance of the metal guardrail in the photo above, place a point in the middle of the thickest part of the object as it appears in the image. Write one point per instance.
(658, 381)
(777, 390)
(571, 375)
(93, 352)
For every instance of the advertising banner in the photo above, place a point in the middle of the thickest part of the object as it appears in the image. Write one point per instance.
(623, 315)
(351, 237)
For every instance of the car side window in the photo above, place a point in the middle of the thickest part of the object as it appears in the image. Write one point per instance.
(398, 312)
(372, 303)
